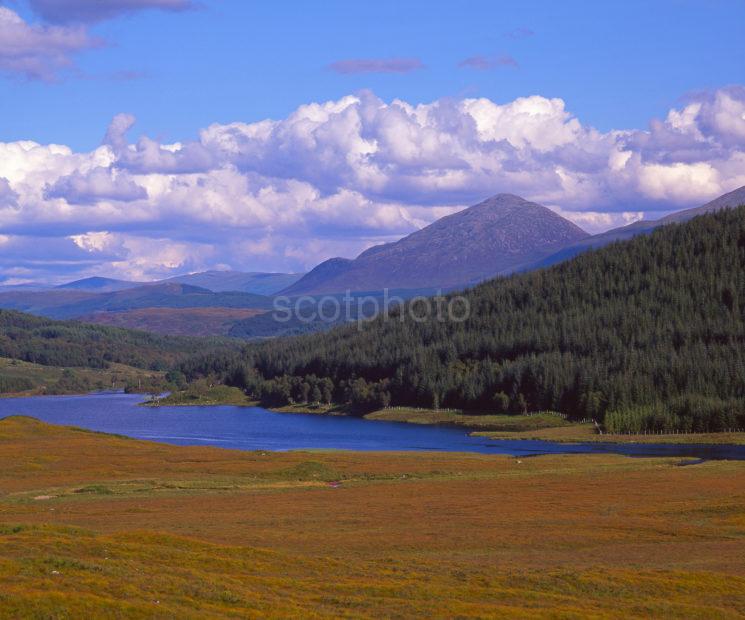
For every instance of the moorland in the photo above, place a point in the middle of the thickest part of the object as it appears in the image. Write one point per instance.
(101, 525)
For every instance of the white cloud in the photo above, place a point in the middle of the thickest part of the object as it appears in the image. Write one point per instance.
(596, 222)
(93, 241)
(336, 177)
(94, 186)
(39, 52)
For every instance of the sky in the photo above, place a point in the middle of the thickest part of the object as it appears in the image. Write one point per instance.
(145, 138)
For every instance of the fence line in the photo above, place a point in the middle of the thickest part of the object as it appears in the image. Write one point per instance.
(564, 416)
(675, 432)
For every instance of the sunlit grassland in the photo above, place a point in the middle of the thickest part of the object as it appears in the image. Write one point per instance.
(198, 395)
(540, 426)
(96, 524)
(485, 421)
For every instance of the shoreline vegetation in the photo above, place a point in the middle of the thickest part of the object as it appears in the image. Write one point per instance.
(542, 426)
(350, 534)
(19, 379)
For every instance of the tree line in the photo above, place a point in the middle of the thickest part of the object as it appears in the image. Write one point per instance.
(72, 344)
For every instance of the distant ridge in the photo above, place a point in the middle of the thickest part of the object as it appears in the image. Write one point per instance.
(97, 284)
(245, 282)
(729, 200)
(256, 282)
(493, 237)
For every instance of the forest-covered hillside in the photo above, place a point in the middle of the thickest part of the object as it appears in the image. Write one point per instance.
(70, 344)
(647, 333)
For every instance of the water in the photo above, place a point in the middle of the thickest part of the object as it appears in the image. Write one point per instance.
(254, 428)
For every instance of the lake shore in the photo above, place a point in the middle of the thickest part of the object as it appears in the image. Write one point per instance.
(546, 426)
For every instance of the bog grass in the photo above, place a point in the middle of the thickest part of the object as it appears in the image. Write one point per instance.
(96, 525)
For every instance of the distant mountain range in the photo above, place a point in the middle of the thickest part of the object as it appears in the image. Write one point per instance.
(216, 281)
(62, 303)
(494, 237)
(499, 236)
(251, 282)
(99, 285)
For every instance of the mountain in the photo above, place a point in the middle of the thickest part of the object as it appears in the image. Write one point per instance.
(729, 200)
(67, 304)
(726, 201)
(493, 237)
(251, 282)
(258, 283)
(23, 287)
(644, 335)
(99, 285)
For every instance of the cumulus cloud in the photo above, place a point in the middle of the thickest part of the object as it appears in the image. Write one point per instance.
(595, 221)
(70, 11)
(39, 52)
(8, 198)
(94, 186)
(335, 177)
(484, 63)
(377, 65)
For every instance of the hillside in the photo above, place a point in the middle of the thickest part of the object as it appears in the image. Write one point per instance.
(252, 282)
(726, 201)
(70, 344)
(644, 334)
(97, 284)
(258, 283)
(493, 237)
(176, 321)
(68, 304)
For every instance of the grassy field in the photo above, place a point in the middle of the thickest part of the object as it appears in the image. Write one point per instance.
(99, 525)
(484, 422)
(205, 396)
(56, 380)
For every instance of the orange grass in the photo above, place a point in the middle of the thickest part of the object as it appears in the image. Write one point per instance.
(96, 525)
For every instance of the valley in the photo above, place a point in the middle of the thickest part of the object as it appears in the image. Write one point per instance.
(372, 310)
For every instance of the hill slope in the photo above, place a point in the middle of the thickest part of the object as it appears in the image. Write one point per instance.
(726, 201)
(253, 282)
(176, 321)
(490, 238)
(97, 284)
(67, 304)
(647, 334)
(258, 283)
(69, 344)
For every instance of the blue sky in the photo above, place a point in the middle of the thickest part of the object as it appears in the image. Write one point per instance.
(384, 117)
(616, 64)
